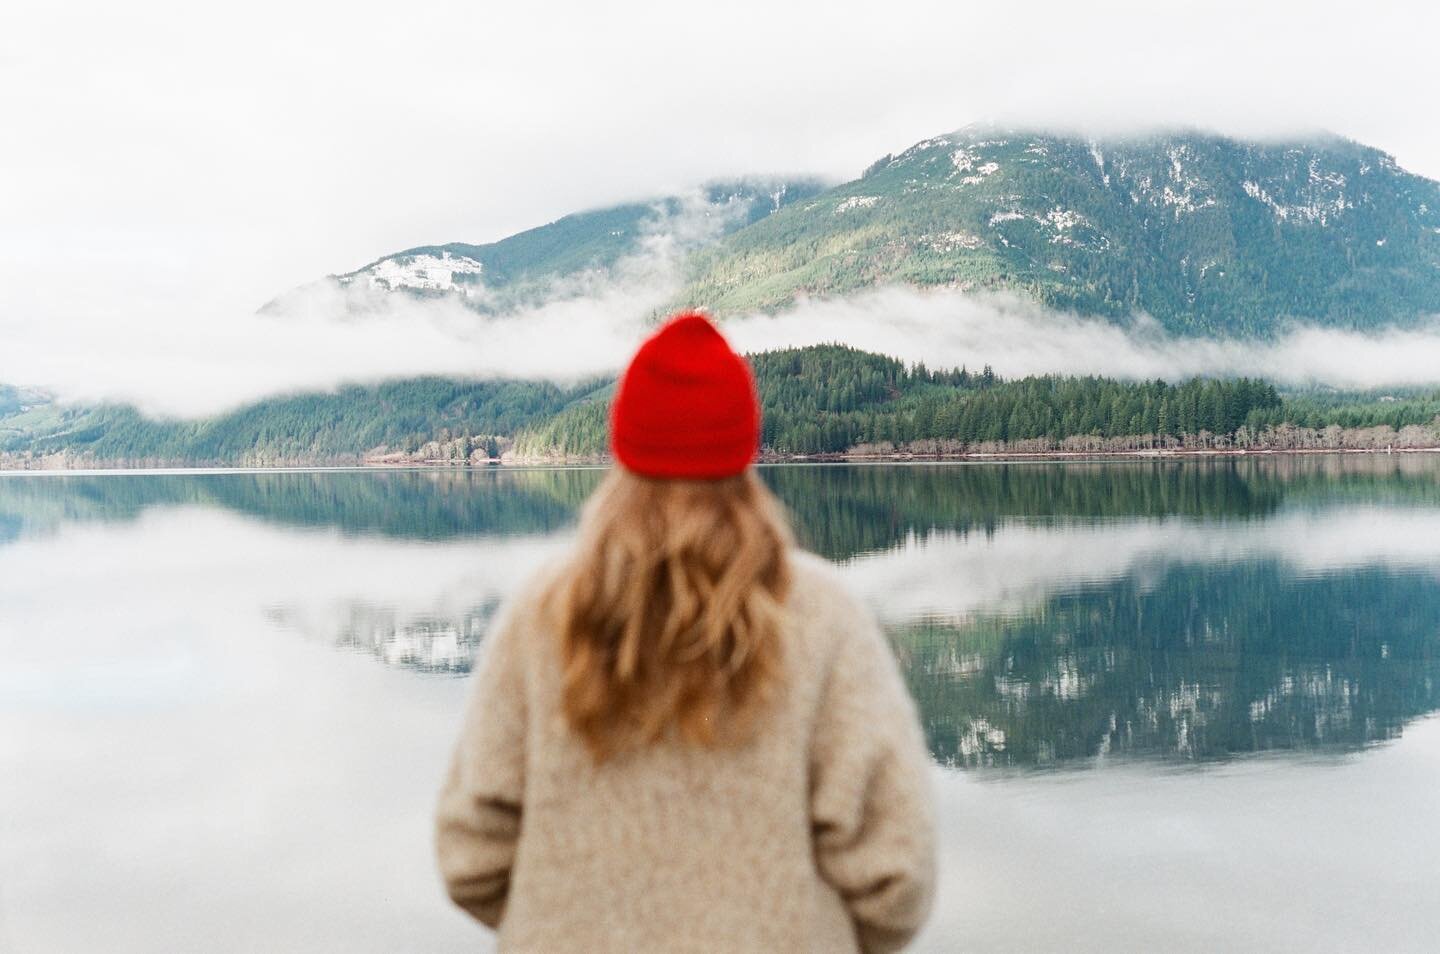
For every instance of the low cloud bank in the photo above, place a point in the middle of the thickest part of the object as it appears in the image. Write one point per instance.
(1018, 338)
(1021, 564)
(325, 335)
(198, 369)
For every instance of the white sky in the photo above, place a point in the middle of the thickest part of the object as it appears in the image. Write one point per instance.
(169, 164)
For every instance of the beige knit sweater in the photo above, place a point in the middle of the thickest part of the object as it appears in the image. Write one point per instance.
(817, 835)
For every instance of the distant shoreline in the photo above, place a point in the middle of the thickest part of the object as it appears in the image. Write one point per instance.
(91, 468)
(1020, 456)
(1147, 454)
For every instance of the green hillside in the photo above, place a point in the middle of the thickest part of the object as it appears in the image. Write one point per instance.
(333, 427)
(1207, 234)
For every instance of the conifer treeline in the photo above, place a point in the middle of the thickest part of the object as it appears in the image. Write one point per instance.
(881, 400)
(831, 398)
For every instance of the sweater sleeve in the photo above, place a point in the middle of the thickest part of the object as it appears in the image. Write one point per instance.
(481, 803)
(871, 811)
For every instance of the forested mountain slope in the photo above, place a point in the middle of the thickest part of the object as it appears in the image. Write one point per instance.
(1208, 234)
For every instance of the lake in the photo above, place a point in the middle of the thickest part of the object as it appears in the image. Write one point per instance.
(1179, 705)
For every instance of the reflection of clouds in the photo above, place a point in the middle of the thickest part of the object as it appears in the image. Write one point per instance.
(163, 744)
(425, 604)
(1021, 563)
(144, 584)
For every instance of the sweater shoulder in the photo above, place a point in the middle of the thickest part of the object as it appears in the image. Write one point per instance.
(825, 608)
(817, 584)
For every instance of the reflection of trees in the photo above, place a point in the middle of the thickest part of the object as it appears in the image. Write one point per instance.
(845, 510)
(1367, 478)
(419, 504)
(1206, 662)
(432, 642)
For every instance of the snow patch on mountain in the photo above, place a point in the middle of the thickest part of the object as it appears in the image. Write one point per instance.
(856, 202)
(963, 159)
(1062, 220)
(421, 272)
(1323, 198)
(1060, 223)
(1099, 158)
(987, 169)
(950, 241)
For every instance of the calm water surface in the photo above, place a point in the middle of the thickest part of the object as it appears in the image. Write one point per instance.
(1171, 705)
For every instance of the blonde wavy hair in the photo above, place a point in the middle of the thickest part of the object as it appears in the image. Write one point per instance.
(670, 614)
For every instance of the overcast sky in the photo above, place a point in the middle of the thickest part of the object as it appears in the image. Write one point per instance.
(179, 163)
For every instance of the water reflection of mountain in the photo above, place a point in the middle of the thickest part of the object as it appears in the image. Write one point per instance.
(1200, 663)
(1177, 609)
(432, 642)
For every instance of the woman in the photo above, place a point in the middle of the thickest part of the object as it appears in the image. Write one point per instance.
(688, 736)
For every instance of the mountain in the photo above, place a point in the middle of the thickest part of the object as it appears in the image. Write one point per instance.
(528, 265)
(1208, 234)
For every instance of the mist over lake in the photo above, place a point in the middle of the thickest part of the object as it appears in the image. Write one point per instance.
(1185, 705)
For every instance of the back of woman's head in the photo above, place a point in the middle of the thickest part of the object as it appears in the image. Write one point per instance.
(671, 612)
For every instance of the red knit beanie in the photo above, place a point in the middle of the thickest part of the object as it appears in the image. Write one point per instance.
(686, 407)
